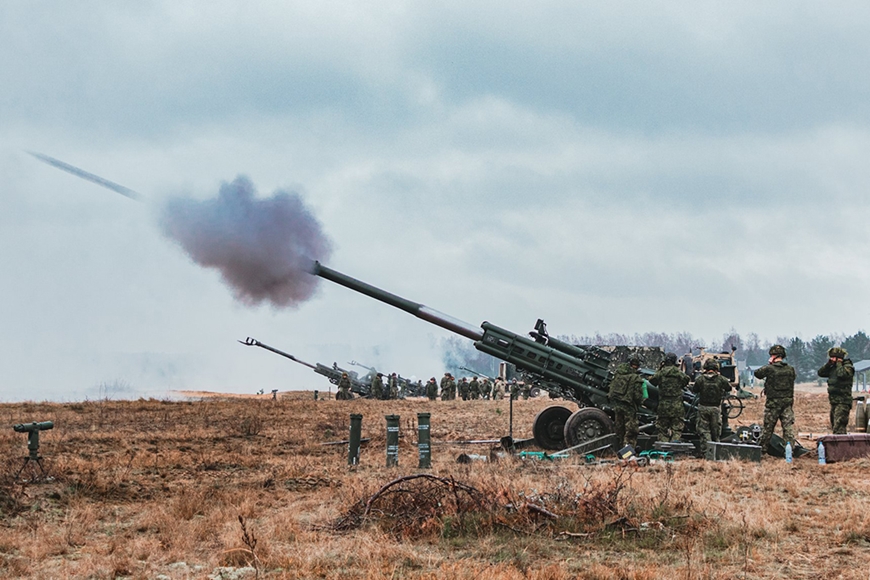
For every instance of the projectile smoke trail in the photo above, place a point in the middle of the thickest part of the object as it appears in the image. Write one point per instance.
(263, 248)
(89, 176)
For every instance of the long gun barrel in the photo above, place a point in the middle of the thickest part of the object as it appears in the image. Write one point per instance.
(474, 372)
(574, 372)
(419, 310)
(332, 373)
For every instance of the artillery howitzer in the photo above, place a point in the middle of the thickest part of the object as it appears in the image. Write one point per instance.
(332, 373)
(575, 373)
(406, 386)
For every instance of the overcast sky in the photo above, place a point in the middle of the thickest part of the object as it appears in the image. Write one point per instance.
(611, 167)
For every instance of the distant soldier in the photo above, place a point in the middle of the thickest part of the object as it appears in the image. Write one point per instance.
(419, 389)
(525, 390)
(474, 388)
(344, 393)
(779, 379)
(498, 389)
(711, 388)
(671, 383)
(515, 389)
(840, 374)
(626, 396)
(432, 389)
(377, 386)
(485, 388)
(463, 388)
(445, 388)
(393, 383)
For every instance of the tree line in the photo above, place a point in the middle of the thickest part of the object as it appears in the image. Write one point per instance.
(806, 356)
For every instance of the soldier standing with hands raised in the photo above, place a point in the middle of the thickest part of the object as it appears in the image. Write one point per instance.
(840, 373)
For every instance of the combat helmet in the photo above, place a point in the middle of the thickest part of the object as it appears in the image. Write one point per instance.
(634, 362)
(838, 352)
(777, 350)
(670, 359)
(711, 364)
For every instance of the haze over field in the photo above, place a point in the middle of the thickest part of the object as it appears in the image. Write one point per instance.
(613, 168)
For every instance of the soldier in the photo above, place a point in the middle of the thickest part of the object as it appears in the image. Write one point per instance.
(711, 388)
(525, 390)
(485, 388)
(779, 379)
(377, 386)
(344, 393)
(432, 389)
(840, 373)
(393, 382)
(448, 388)
(626, 395)
(515, 389)
(671, 383)
(498, 389)
(463, 388)
(474, 388)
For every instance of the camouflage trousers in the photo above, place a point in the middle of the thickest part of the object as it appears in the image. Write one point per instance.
(709, 426)
(669, 420)
(841, 409)
(343, 395)
(625, 423)
(777, 410)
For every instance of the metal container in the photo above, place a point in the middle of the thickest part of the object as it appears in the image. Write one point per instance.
(843, 447)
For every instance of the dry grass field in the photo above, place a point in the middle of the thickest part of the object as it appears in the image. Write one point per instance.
(196, 489)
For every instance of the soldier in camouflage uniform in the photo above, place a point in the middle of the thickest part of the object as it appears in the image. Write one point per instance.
(485, 388)
(711, 388)
(515, 389)
(393, 382)
(779, 379)
(474, 388)
(448, 388)
(344, 393)
(377, 390)
(840, 374)
(463, 388)
(432, 389)
(626, 396)
(671, 383)
(498, 389)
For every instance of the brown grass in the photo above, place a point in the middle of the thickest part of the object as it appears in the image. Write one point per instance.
(151, 487)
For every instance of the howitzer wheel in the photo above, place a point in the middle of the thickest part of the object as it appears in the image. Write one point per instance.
(549, 427)
(733, 406)
(587, 424)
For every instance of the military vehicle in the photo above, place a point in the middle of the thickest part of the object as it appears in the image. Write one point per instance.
(361, 387)
(579, 374)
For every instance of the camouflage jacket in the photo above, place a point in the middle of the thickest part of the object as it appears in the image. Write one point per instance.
(670, 381)
(840, 377)
(778, 380)
(626, 387)
(344, 383)
(711, 388)
(431, 388)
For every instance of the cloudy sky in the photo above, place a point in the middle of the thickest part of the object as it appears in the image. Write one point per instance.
(610, 167)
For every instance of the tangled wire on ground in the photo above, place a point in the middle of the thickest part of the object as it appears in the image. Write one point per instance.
(419, 505)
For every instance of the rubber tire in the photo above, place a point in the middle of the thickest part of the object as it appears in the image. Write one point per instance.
(587, 424)
(549, 428)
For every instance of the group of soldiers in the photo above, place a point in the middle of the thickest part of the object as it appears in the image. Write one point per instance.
(473, 389)
(627, 395)
(450, 389)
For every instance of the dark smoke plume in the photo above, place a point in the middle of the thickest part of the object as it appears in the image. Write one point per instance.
(263, 247)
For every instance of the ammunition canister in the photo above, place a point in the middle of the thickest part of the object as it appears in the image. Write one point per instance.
(424, 445)
(355, 436)
(392, 440)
